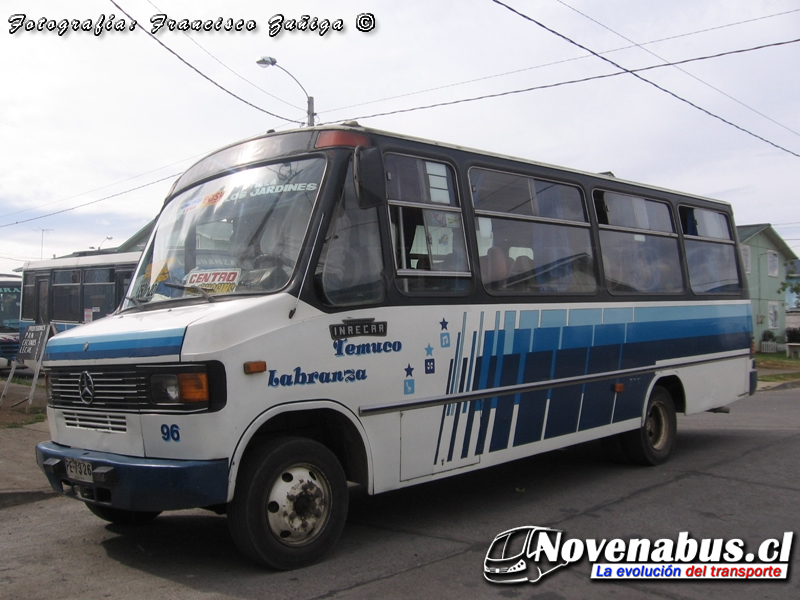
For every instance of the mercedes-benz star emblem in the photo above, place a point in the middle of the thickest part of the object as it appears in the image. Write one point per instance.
(86, 387)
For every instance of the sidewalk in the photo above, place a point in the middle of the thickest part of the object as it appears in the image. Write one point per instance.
(21, 480)
(780, 385)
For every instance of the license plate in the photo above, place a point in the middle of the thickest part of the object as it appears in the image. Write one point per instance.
(79, 469)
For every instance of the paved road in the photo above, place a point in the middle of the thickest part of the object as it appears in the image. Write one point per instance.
(732, 476)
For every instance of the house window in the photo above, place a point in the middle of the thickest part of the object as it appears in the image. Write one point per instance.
(772, 263)
(773, 315)
(746, 258)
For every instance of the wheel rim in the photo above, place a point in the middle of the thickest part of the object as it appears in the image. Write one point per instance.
(657, 427)
(299, 505)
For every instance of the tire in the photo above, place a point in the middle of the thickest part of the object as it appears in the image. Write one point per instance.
(118, 516)
(290, 503)
(654, 441)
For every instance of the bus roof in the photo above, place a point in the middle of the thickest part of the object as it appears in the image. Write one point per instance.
(353, 125)
(94, 260)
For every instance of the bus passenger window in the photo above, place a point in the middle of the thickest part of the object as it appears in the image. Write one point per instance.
(710, 251)
(428, 236)
(639, 244)
(350, 268)
(533, 235)
(67, 295)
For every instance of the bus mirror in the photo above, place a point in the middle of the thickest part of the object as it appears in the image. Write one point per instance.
(369, 175)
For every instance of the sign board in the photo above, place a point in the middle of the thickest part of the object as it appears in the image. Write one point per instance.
(31, 347)
(31, 344)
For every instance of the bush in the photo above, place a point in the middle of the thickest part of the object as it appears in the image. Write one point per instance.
(793, 335)
(768, 336)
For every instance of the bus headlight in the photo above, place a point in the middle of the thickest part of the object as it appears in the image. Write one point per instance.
(179, 388)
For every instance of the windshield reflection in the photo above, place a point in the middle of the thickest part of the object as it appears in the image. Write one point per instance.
(240, 233)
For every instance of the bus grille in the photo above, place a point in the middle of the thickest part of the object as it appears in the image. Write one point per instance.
(97, 421)
(9, 349)
(113, 389)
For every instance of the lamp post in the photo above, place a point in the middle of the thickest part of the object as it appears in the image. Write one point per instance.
(268, 61)
(108, 237)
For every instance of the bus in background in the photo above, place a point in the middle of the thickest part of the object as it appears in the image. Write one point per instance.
(74, 290)
(10, 292)
(79, 288)
(339, 304)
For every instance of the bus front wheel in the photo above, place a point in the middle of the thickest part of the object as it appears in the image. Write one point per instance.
(653, 442)
(290, 503)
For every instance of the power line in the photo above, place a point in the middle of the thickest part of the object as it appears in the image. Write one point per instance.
(58, 212)
(99, 188)
(685, 72)
(196, 70)
(566, 60)
(635, 74)
(582, 80)
(196, 43)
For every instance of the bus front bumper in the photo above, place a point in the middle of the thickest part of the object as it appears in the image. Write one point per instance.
(133, 483)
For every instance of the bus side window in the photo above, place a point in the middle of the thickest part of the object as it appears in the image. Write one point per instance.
(710, 251)
(350, 268)
(533, 235)
(428, 235)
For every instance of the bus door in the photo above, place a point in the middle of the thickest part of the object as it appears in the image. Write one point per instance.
(43, 300)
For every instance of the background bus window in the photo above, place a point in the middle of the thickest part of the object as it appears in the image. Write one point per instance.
(67, 305)
(641, 253)
(711, 261)
(350, 267)
(29, 297)
(533, 235)
(10, 292)
(98, 293)
(427, 228)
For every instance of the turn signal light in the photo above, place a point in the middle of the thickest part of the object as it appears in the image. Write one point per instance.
(255, 366)
(193, 387)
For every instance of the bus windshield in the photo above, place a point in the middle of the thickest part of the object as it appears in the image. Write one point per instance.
(238, 233)
(9, 306)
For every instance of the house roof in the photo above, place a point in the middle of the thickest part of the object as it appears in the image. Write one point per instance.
(747, 232)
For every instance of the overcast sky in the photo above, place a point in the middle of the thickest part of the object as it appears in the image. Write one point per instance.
(85, 119)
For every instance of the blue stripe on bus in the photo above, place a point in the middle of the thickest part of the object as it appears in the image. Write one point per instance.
(562, 343)
(118, 345)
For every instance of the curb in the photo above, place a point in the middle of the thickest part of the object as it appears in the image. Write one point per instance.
(9, 499)
(770, 387)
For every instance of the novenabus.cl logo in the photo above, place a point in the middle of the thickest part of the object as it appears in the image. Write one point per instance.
(515, 556)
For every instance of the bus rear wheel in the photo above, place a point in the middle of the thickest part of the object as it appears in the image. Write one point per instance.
(290, 503)
(654, 441)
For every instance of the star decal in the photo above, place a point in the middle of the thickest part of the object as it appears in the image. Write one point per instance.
(429, 350)
(409, 370)
(443, 323)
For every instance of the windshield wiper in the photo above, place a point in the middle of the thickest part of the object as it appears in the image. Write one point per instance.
(137, 303)
(191, 288)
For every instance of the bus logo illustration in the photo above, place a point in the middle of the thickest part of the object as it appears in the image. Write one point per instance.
(516, 556)
(86, 387)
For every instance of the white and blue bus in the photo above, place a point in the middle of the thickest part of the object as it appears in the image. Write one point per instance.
(339, 304)
(10, 293)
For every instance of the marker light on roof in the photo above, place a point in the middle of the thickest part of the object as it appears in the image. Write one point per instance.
(337, 137)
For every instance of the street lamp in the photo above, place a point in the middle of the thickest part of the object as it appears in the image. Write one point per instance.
(268, 61)
(108, 237)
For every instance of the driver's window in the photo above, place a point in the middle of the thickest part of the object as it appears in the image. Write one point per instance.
(350, 268)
